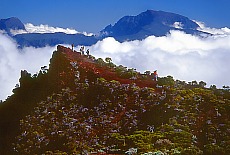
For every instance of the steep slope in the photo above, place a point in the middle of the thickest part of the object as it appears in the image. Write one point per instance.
(96, 108)
(62, 74)
(92, 66)
(83, 105)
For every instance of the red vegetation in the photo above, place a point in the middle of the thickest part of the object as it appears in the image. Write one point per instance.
(105, 72)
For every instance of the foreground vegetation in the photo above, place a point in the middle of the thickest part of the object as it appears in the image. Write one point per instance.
(81, 112)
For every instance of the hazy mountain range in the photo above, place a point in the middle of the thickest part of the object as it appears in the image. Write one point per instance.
(150, 22)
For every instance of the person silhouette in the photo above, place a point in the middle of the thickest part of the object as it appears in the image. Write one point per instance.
(155, 75)
(72, 47)
(87, 52)
(82, 50)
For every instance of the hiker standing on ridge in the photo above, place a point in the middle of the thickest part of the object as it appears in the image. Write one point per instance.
(87, 52)
(155, 75)
(72, 47)
(82, 50)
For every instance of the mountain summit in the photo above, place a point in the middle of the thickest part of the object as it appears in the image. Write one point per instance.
(12, 23)
(150, 22)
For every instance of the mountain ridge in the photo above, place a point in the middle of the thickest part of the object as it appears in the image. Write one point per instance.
(53, 39)
(150, 22)
(67, 67)
(81, 104)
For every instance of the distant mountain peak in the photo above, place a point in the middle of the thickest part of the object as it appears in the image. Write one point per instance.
(12, 23)
(150, 22)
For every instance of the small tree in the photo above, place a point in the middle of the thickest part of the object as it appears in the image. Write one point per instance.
(147, 72)
(167, 81)
(194, 83)
(202, 84)
(213, 87)
(108, 60)
(100, 61)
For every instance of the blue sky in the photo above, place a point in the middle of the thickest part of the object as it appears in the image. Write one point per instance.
(94, 15)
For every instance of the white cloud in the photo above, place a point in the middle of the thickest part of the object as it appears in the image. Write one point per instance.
(178, 25)
(15, 32)
(13, 60)
(47, 29)
(222, 31)
(2, 32)
(184, 56)
(30, 28)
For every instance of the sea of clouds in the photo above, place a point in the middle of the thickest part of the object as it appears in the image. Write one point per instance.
(30, 28)
(183, 56)
(13, 60)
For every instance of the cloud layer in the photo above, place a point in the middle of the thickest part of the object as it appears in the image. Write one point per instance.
(185, 57)
(30, 28)
(13, 60)
(222, 31)
(181, 55)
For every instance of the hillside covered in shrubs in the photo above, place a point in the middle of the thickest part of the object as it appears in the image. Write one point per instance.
(84, 105)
